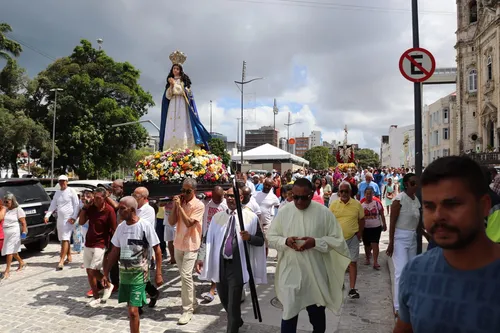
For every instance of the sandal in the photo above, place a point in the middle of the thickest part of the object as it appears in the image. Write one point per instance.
(376, 266)
(208, 297)
(367, 262)
(21, 267)
(59, 267)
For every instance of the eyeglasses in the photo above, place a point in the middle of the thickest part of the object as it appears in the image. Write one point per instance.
(302, 197)
(229, 196)
(186, 191)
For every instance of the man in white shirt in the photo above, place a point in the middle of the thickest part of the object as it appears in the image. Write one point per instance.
(215, 205)
(147, 213)
(249, 201)
(267, 202)
(67, 204)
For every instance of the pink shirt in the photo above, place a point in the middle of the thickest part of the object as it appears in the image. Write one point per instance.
(189, 239)
(372, 214)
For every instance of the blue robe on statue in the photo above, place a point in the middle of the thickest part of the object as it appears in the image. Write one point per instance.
(200, 135)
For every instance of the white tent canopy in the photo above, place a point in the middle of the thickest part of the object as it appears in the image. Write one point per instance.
(269, 152)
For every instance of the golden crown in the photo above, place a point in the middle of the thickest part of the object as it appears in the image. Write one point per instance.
(177, 57)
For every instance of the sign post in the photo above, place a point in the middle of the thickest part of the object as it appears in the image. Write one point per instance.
(417, 65)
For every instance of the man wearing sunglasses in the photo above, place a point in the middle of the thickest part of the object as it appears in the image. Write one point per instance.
(222, 259)
(311, 253)
(187, 216)
(351, 217)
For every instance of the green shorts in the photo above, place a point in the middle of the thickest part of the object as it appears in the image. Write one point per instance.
(133, 294)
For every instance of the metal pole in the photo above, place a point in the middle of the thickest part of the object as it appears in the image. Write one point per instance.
(288, 134)
(53, 139)
(210, 116)
(418, 117)
(241, 126)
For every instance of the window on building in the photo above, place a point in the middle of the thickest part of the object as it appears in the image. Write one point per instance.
(446, 152)
(489, 69)
(446, 133)
(473, 11)
(446, 115)
(472, 84)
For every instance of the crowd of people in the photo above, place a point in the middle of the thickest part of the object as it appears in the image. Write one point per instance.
(316, 220)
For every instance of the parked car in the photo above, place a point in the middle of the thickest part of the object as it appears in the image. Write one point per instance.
(35, 202)
(89, 183)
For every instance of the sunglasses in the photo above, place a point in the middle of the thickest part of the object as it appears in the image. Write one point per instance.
(230, 196)
(343, 191)
(186, 191)
(302, 197)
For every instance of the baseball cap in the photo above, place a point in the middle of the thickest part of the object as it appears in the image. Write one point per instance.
(63, 177)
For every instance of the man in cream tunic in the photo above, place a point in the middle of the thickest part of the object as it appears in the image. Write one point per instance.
(221, 258)
(313, 257)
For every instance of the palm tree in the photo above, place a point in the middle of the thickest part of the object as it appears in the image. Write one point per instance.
(8, 47)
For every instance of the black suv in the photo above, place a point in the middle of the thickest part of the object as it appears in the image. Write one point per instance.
(35, 202)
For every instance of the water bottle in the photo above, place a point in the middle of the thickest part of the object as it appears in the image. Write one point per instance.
(23, 235)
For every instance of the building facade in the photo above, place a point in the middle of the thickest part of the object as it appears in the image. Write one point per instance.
(478, 75)
(261, 136)
(221, 136)
(439, 130)
(398, 148)
(302, 144)
(316, 139)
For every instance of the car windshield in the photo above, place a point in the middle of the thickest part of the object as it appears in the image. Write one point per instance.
(25, 192)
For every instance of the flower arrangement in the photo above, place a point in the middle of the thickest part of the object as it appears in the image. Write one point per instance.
(344, 167)
(174, 166)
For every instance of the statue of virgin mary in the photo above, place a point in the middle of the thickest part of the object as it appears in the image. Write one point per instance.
(180, 126)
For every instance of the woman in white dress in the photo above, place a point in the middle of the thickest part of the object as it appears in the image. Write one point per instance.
(12, 236)
(180, 127)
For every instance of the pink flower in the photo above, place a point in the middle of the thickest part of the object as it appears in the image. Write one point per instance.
(174, 165)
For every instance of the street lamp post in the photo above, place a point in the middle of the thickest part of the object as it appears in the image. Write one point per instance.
(288, 131)
(55, 90)
(275, 112)
(242, 83)
(138, 122)
(210, 117)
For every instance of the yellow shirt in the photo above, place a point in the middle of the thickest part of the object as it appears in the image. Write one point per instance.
(161, 213)
(348, 215)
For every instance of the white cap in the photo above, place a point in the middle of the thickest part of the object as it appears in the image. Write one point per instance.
(63, 177)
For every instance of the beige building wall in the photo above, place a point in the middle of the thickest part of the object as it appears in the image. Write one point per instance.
(478, 75)
(439, 138)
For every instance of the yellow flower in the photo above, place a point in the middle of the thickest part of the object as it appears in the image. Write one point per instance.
(181, 163)
(204, 163)
(202, 171)
(170, 158)
(158, 155)
(170, 170)
(186, 158)
(162, 172)
(158, 166)
(139, 178)
(216, 177)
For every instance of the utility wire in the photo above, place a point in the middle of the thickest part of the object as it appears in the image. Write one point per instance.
(32, 48)
(338, 6)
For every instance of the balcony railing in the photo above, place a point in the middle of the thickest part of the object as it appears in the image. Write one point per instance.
(492, 158)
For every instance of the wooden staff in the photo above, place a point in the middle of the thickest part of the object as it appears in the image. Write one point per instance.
(251, 282)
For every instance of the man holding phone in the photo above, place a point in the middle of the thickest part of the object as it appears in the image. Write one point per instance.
(187, 216)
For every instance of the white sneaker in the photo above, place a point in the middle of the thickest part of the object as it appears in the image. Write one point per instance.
(185, 318)
(94, 302)
(107, 293)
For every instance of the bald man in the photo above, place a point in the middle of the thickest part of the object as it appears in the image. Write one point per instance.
(215, 205)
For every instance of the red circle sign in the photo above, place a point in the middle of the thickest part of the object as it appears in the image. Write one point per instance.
(417, 65)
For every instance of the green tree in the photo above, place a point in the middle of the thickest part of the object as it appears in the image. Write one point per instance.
(366, 158)
(18, 131)
(8, 47)
(97, 93)
(217, 147)
(318, 157)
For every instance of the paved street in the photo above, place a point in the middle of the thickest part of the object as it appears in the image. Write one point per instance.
(40, 299)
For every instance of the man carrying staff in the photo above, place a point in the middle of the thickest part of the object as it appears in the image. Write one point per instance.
(222, 257)
(312, 259)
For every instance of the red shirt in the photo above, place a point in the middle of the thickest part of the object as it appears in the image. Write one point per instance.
(374, 199)
(102, 225)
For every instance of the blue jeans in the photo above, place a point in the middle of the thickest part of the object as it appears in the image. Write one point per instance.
(317, 318)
